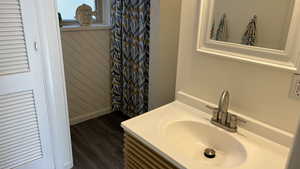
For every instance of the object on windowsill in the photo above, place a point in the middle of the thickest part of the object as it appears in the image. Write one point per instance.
(249, 37)
(222, 31)
(84, 15)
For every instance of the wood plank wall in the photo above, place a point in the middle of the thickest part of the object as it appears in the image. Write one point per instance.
(139, 156)
(87, 71)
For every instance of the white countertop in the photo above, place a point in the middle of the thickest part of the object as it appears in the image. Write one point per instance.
(261, 153)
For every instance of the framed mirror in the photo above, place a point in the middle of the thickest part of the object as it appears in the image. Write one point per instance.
(260, 31)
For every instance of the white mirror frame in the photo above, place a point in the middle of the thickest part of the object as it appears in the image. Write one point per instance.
(288, 59)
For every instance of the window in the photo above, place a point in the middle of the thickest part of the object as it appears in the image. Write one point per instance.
(67, 9)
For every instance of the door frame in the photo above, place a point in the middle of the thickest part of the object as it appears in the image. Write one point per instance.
(56, 90)
(56, 98)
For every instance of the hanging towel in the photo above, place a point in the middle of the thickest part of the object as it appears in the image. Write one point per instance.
(222, 32)
(249, 37)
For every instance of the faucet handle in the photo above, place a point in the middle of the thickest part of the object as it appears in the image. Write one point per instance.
(212, 107)
(215, 112)
(239, 119)
(234, 120)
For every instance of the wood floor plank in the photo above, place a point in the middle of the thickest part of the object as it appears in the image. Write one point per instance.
(98, 143)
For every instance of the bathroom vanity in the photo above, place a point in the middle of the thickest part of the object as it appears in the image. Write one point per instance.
(237, 46)
(137, 155)
(177, 135)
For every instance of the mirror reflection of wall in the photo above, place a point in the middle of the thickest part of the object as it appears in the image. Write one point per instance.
(271, 18)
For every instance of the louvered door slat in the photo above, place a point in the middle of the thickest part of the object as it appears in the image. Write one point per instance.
(10, 25)
(16, 113)
(12, 51)
(11, 28)
(8, 38)
(16, 108)
(10, 15)
(11, 55)
(11, 137)
(6, 6)
(13, 108)
(13, 2)
(12, 42)
(15, 129)
(13, 63)
(17, 96)
(28, 149)
(21, 137)
(12, 38)
(26, 142)
(10, 1)
(16, 59)
(22, 155)
(14, 104)
(30, 146)
(18, 119)
(10, 20)
(9, 11)
(12, 100)
(11, 33)
(12, 47)
(13, 118)
(12, 69)
(24, 160)
(13, 121)
(10, 145)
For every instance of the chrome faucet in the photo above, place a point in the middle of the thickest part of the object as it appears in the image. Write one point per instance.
(221, 117)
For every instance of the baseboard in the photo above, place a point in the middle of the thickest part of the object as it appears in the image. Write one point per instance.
(68, 165)
(88, 116)
(267, 131)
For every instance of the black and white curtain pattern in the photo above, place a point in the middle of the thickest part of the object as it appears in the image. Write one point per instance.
(130, 56)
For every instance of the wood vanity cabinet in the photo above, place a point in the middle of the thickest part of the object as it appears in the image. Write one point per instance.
(138, 156)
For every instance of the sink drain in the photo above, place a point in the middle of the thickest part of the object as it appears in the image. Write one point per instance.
(209, 153)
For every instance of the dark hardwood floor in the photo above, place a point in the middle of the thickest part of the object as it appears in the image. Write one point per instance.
(98, 143)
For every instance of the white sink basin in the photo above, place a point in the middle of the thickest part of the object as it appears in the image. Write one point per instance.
(191, 138)
(181, 133)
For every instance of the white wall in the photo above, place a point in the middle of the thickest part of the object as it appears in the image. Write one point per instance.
(294, 162)
(256, 91)
(87, 71)
(272, 26)
(164, 34)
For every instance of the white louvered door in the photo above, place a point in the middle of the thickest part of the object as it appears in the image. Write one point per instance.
(24, 130)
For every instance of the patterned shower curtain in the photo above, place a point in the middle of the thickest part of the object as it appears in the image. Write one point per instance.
(130, 56)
